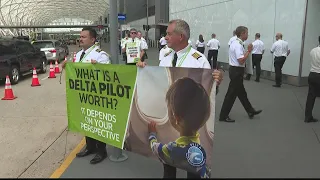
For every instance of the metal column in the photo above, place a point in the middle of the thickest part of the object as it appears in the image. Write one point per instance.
(147, 33)
(117, 154)
(113, 18)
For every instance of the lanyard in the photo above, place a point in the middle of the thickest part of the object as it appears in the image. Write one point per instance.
(88, 53)
(182, 58)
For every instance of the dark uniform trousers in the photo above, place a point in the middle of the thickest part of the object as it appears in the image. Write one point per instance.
(201, 49)
(236, 89)
(213, 54)
(314, 91)
(256, 63)
(278, 64)
(95, 145)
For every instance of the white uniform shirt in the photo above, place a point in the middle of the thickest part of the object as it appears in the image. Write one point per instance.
(232, 39)
(258, 47)
(280, 48)
(193, 59)
(236, 51)
(143, 44)
(164, 51)
(190, 42)
(93, 54)
(163, 41)
(200, 44)
(315, 62)
(213, 44)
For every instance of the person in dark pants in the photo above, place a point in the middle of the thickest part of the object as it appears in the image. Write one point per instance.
(314, 84)
(214, 46)
(91, 53)
(281, 51)
(257, 53)
(237, 59)
(200, 44)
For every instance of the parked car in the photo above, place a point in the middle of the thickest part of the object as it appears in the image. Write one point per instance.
(18, 58)
(72, 42)
(53, 49)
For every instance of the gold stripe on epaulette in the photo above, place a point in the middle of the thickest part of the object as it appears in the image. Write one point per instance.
(196, 55)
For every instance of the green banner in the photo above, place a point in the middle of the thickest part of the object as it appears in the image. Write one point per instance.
(99, 99)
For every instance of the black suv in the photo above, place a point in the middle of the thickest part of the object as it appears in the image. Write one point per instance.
(19, 57)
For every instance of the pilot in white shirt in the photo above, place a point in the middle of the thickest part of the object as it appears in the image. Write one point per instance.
(237, 58)
(139, 44)
(187, 57)
(257, 52)
(280, 50)
(214, 46)
(162, 41)
(93, 53)
(314, 84)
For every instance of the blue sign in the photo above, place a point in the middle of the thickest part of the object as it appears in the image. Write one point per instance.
(122, 17)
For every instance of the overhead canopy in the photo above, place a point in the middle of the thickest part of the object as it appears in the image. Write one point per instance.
(43, 12)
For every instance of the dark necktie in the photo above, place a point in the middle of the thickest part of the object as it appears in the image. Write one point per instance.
(174, 61)
(83, 53)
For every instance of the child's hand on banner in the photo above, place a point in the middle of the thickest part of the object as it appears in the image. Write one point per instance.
(152, 127)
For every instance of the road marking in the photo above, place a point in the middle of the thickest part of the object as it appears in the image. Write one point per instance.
(44, 78)
(66, 163)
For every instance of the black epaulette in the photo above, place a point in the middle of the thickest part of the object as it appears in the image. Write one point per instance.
(196, 55)
(98, 50)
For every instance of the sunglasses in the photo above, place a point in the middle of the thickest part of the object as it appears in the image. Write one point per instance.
(133, 32)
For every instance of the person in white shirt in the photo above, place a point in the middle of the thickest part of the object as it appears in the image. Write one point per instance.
(134, 42)
(162, 41)
(214, 46)
(257, 53)
(237, 59)
(234, 37)
(91, 53)
(183, 55)
(200, 44)
(314, 84)
(281, 51)
(145, 45)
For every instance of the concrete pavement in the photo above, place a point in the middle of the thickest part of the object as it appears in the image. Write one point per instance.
(33, 136)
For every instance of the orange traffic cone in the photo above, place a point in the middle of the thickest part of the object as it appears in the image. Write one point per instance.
(51, 74)
(35, 80)
(56, 69)
(8, 93)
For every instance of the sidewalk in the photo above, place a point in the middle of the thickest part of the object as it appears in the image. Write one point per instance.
(276, 144)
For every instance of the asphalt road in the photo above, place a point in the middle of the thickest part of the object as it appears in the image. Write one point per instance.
(33, 136)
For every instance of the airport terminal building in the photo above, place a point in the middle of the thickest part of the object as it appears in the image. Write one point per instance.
(297, 20)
